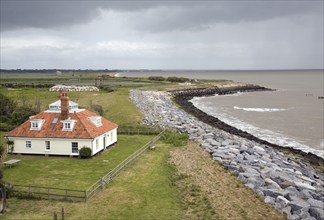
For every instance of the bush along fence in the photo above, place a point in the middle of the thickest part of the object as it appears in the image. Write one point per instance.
(50, 193)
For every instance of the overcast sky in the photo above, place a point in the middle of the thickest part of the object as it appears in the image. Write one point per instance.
(162, 34)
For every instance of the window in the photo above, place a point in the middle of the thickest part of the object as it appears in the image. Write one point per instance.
(96, 120)
(28, 144)
(67, 126)
(75, 147)
(97, 144)
(35, 125)
(47, 145)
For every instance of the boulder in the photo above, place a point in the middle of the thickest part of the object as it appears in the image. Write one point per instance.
(257, 182)
(316, 203)
(218, 159)
(270, 200)
(205, 145)
(282, 200)
(292, 191)
(235, 151)
(269, 182)
(298, 204)
(294, 217)
(273, 192)
(227, 142)
(302, 185)
(243, 148)
(317, 213)
(259, 150)
(215, 143)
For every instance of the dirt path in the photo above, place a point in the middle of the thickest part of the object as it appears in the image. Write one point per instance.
(211, 192)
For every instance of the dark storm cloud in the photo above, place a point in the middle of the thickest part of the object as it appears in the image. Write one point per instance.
(47, 14)
(156, 16)
(192, 16)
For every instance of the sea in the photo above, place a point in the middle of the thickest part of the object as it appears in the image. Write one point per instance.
(291, 116)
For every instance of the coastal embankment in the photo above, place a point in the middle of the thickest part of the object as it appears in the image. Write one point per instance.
(287, 182)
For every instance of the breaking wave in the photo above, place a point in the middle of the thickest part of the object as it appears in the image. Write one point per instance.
(264, 134)
(261, 109)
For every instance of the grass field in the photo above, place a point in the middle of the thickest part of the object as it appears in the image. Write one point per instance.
(143, 191)
(71, 173)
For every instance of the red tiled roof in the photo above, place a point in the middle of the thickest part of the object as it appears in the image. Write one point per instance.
(83, 127)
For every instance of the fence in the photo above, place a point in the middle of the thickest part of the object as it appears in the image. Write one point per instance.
(78, 195)
(143, 131)
(50, 193)
(105, 180)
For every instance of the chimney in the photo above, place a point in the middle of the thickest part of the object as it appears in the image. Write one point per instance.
(64, 105)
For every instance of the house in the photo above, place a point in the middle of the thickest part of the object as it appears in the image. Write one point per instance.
(63, 129)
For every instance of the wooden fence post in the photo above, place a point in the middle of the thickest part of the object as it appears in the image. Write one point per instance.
(4, 197)
(66, 194)
(62, 213)
(55, 215)
(110, 176)
(102, 183)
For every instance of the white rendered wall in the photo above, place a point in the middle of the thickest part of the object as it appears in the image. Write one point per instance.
(104, 141)
(57, 146)
(63, 146)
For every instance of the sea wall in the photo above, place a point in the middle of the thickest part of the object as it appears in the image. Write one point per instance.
(288, 183)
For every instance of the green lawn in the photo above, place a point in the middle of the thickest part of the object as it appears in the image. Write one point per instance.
(72, 173)
(144, 190)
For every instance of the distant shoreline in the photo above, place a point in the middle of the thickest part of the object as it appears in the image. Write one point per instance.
(183, 97)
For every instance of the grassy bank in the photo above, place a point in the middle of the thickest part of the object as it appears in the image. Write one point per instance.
(211, 192)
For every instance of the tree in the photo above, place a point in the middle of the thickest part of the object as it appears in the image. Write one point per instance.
(21, 114)
(7, 106)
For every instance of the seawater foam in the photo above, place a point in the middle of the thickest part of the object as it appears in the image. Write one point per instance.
(260, 109)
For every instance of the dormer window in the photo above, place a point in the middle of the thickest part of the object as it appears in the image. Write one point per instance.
(68, 124)
(96, 120)
(36, 124)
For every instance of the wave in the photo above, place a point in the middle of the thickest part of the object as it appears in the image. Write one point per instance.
(264, 134)
(260, 109)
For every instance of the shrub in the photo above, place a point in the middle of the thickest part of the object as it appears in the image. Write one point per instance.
(106, 88)
(98, 108)
(176, 139)
(177, 79)
(156, 78)
(85, 152)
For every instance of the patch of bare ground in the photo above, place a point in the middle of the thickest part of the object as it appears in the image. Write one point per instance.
(212, 192)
